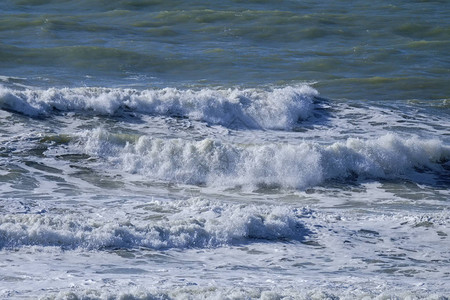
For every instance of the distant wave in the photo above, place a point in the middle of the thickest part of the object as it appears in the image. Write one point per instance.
(299, 166)
(279, 108)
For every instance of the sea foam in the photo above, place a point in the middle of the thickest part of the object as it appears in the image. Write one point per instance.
(299, 166)
(279, 108)
(177, 224)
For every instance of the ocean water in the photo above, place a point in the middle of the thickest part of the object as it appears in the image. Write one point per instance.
(224, 149)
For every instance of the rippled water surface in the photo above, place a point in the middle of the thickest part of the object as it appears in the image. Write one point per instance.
(357, 50)
(224, 149)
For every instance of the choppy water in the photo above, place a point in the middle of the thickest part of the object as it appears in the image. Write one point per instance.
(229, 150)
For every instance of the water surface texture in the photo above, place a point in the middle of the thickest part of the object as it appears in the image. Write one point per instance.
(224, 149)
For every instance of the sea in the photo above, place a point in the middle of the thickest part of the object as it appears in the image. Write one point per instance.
(230, 149)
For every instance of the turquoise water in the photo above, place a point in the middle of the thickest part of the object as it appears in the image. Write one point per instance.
(224, 149)
(348, 49)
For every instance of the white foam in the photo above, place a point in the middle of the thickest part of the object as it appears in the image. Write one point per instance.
(213, 292)
(375, 255)
(279, 108)
(299, 166)
(193, 223)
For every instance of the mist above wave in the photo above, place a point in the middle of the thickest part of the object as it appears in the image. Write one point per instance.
(279, 108)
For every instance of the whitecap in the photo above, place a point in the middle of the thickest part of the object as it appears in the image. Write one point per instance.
(300, 166)
(279, 108)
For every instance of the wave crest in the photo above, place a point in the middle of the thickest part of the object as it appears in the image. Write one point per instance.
(279, 108)
(299, 166)
(194, 223)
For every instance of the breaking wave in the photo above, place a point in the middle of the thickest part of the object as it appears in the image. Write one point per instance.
(279, 108)
(307, 164)
(194, 223)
